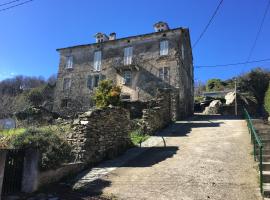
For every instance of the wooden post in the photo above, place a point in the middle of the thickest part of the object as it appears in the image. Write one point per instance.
(3, 154)
(30, 171)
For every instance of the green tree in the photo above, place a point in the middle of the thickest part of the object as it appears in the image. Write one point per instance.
(107, 94)
(256, 83)
(267, 100)
(215, 85)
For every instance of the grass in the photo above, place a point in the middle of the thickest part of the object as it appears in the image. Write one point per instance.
(10, 132)
(137, 137)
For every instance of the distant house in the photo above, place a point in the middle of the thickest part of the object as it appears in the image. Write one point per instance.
(139, 64)
(216, 94)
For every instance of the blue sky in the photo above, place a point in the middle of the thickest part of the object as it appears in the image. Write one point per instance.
(30, 33)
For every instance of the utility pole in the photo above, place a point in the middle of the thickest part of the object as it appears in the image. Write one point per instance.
(235, 91)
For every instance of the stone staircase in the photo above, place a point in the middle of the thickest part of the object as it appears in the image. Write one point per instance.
(263, 131)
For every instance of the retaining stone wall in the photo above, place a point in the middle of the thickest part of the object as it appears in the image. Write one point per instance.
(100, 134)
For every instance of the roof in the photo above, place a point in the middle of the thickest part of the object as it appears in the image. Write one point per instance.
(119, 39)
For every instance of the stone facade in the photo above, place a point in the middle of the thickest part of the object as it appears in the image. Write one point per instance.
(99, 134)
(139, 64)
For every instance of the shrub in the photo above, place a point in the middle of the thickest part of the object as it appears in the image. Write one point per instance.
(137, 137)
(267, 100)
(35, 96)
(107, 94)
(54, 150)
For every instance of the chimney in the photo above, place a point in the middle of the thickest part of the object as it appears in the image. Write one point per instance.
(161, 26)
(112, 36)
(101, 37)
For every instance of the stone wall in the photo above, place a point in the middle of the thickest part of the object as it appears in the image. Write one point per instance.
(100, 134)
(160, 115)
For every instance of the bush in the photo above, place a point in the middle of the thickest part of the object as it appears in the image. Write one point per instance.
(35, 96)
(107, 94)
(267, 100)
(54, 150)
(137, 137)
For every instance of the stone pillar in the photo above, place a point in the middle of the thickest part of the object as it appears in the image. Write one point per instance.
(30, 171)
(3, 154)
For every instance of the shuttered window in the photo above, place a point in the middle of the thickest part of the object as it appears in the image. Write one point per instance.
(97, 60)
(69, 62)
(164, 48)
(164, 74)
(127, 77)
(128, 51)
(183, 52)
(67, 84)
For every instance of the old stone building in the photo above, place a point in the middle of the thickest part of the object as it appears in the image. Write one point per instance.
(139, 64)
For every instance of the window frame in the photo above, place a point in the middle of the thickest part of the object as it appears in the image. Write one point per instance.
(128, 55)
(69, 62)
(97, 60)
(164, 48)
(65, 85)
(164, 74)
(129, 77)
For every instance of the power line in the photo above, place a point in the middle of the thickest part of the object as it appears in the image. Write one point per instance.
(259, 31)
(9, 3)
(208, 24)
(233, 64)
(25, 2)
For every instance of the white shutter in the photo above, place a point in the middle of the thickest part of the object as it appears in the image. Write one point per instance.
(97, 60)
(69, 62)
(164, 48)
(183, 52)
(128, 51)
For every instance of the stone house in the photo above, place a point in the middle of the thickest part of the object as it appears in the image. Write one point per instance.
(139, 64)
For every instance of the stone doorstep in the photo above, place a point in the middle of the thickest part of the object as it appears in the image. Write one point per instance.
(107, 166)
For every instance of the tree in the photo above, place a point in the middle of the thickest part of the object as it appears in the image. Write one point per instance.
(35, 96)
(215, 85)
(267, 100)
(256, 83)
(107, 94)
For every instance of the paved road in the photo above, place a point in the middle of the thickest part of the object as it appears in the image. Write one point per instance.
(207, 158)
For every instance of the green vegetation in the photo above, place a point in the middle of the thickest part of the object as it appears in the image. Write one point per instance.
(137, 137)
(267, 100)
(215, 85)
(107, 94)
(255, 83)
(35, 96)
(49, 140)
(53, 148)
(10, 132)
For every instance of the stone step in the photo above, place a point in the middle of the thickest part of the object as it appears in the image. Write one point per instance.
(266, 158)
(266, 177)
(266, 166)
(266, 189)
(266, 151)
(264, 136)
(266, 145)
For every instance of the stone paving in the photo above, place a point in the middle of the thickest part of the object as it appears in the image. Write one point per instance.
(205, 158)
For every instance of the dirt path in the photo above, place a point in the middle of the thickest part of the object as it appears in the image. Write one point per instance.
(208, 158)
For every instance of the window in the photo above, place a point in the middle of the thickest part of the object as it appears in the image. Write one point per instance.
(97, 60)
(67, 83)
(93, 80)
(127, 78)
(89, 82)
(128, 55)
(69, 62)
(164, 48)
(183, 52)
(96, 80)
(164, 74)
(64, 103)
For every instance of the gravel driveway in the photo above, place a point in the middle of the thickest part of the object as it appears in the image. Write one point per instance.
(207, 158)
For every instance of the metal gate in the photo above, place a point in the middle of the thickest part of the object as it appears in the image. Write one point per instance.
(13, 171)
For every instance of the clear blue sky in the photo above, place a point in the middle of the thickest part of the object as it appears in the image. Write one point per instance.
(30, 33)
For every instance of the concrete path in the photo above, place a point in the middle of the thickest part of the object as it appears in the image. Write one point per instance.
(207, 158)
